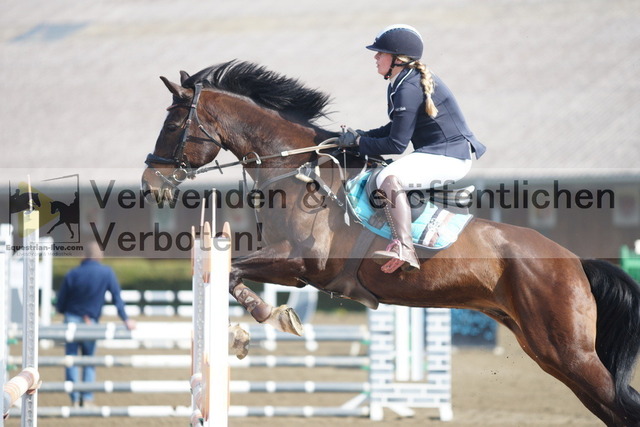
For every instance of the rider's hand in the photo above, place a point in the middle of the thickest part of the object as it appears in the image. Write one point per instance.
(348, 138)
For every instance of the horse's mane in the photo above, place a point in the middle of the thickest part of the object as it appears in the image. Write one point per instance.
(267, 88)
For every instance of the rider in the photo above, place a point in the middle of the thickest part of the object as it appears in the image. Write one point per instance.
(422, 110)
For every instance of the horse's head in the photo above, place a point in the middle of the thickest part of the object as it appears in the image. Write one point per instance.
(54, 207)
(253, 112)
(183, 145)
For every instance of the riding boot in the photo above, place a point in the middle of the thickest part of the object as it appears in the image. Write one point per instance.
(400, 252)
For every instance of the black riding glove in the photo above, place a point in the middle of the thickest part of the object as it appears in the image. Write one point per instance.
(348, 138)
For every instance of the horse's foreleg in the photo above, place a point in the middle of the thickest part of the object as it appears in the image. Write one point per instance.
(283, 318)
(239, 341)
(272, 264)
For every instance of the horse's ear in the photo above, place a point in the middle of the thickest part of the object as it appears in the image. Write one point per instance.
(183, 76)
(176, 89)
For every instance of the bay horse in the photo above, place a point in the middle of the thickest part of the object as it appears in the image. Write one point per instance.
(579, 320)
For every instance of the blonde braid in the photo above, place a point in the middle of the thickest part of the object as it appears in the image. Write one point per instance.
(429, 86)
(427, 82)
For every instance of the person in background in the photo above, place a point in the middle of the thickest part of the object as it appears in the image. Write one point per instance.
(80, 299)
(422, 110)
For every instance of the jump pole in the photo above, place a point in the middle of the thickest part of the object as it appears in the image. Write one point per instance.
(4, 283)
(30, 321)
(211, 258)
(26, 383)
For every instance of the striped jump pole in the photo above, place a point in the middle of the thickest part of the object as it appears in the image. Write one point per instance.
(25, 384)
(30, 320)
(389, 391)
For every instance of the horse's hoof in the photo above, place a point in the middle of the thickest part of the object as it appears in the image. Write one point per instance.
(285, 319)
(239, 341)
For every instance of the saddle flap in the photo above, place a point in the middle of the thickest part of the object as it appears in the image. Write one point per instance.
(436, 221)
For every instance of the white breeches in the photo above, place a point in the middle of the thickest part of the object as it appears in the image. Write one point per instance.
(423, 170)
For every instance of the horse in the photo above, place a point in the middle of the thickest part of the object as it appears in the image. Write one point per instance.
(578, 319)
(68, 214)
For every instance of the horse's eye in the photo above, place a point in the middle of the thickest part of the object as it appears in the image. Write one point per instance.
(171, 127)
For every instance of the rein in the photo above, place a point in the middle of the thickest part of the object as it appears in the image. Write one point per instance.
(253, 157)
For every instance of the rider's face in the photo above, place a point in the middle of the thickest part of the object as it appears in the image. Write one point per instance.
(383, 62)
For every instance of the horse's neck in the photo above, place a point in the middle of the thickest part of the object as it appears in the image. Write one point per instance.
(273, 148)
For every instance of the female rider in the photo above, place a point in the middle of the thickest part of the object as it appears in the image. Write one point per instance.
(422, 110)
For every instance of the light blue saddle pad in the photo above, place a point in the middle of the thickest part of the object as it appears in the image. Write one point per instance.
(435, 228)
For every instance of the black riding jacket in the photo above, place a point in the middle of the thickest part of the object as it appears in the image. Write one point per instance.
(447, 134)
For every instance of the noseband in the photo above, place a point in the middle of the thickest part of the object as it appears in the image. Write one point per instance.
(183, 169)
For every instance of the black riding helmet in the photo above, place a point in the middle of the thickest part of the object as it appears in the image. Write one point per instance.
(399, 40)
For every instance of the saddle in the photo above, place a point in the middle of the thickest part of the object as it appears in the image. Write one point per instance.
(438, 215)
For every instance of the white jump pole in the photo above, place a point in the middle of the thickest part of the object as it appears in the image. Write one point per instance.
(210, 387)
(418, 343)
(31, 225)
(4, 283)
(216, 328)
(403, 340)
(26, 383)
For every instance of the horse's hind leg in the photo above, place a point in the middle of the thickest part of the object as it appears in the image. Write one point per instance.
(563, 344)
(70, 230)
(590, 381)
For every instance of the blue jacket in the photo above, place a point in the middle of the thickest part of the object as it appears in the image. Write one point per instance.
(83, 290)
(447, 134)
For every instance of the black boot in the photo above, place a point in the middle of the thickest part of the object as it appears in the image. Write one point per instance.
(400, 252)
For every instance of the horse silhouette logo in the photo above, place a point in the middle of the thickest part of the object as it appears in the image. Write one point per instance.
(57, 202)
(19, 202)
(67, 214)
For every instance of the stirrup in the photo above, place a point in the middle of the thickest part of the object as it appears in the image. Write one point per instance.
(392, 260)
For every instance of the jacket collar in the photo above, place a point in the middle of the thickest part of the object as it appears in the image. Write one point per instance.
(399, 78)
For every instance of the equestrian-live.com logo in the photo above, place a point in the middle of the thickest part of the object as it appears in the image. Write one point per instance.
(57, 202)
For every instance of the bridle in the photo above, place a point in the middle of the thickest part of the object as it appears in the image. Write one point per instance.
(183, 169)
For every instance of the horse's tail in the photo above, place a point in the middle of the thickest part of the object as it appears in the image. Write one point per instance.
(618, 328)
